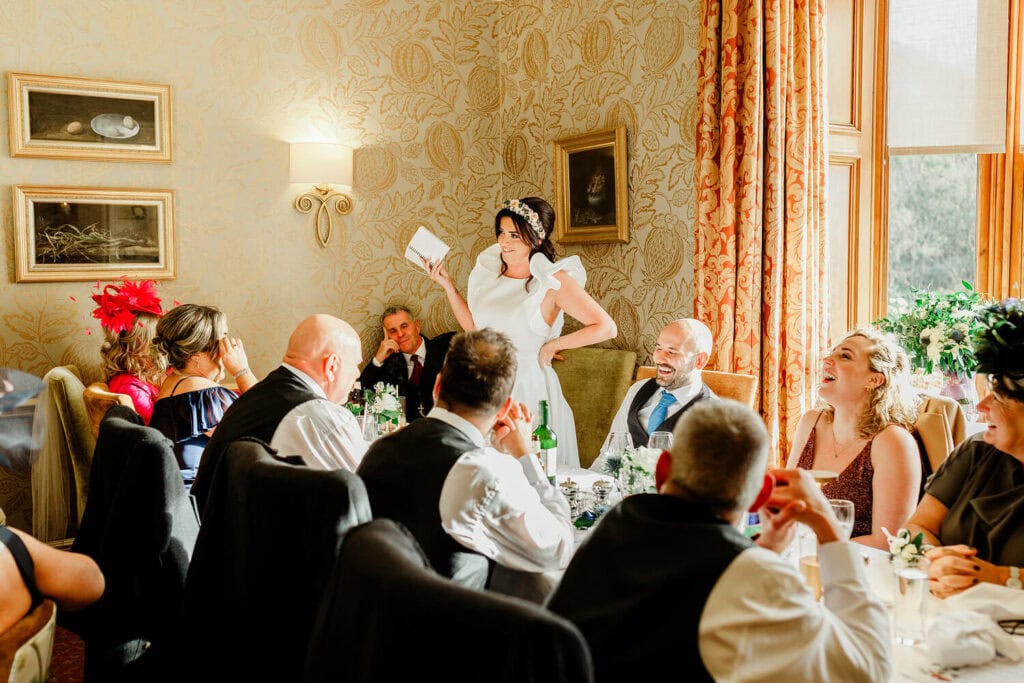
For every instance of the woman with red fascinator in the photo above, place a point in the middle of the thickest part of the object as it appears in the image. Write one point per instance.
(134, 366)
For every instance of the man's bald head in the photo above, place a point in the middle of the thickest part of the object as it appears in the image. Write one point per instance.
(328, 350)
(682, 351)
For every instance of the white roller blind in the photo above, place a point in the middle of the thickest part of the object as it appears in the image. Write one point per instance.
(946, 88)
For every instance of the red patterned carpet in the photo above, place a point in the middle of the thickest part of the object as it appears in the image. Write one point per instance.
(68, 657)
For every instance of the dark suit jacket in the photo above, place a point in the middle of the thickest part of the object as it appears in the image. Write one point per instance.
(418, 399)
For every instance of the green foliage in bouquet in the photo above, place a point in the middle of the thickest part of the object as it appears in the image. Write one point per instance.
(938, 329)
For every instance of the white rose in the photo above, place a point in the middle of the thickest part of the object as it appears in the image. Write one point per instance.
(908, 552)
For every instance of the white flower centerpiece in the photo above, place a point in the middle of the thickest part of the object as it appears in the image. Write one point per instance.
(383, 404)
(905, 549)
(633, 468)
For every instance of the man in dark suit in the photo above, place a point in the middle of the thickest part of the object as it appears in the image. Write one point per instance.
(407, 360)
(656, 404)
(469, 499)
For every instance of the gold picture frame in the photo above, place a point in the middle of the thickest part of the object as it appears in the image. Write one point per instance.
(592, 188)
(69, 234)
(63, 117)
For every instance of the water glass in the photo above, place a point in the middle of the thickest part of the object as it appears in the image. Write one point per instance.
(910, 598)
(370, 431)
(843, 510)
(617, 443)
(661, 441)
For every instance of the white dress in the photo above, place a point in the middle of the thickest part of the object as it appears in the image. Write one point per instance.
(504, 304)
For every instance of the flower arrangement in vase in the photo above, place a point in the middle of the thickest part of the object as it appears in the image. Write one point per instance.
(937, 334)
(383, 403)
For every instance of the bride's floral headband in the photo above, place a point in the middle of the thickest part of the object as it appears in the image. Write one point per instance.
(117, 305)
(526, 213)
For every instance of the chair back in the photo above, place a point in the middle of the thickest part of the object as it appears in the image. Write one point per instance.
(940, 427)
(270, 536)
(60, 474)
(742, 388)
(594, 382)
(140, 526)
(386, 616)
(98, 400)
(27, 647)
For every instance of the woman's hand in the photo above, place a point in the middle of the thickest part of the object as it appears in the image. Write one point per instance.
(438, 273)
(232, 353)
(955, 568)
(548, 351)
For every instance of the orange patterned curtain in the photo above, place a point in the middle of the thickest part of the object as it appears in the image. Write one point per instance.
(759, 268)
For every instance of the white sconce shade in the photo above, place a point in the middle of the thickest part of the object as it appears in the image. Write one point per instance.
(321, 163)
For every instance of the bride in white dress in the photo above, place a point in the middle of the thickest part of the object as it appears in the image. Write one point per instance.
(517, 288)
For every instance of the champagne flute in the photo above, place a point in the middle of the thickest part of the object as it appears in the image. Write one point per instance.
(843, 510)
(661, 441)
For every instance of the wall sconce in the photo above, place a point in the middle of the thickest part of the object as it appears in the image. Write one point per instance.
(323, 164)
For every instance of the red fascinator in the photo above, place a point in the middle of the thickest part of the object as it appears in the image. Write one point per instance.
(117, 305)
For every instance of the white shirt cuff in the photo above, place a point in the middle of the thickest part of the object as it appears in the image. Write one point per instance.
(840, 561)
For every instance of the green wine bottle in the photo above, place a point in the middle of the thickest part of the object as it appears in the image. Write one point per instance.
(547, 441)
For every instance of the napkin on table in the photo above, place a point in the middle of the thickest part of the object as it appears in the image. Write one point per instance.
(963, 638)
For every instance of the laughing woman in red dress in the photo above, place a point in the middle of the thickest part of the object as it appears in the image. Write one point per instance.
(863, 433)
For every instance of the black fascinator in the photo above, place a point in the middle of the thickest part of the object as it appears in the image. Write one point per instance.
(999, 344)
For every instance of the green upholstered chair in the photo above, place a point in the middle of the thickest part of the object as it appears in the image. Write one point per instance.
(60, 474)
(594, 382)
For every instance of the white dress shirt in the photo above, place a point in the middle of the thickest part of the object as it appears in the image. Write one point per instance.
(420, 351)
(325, 434)
(504, 507)
(761, 623)
(683, 394)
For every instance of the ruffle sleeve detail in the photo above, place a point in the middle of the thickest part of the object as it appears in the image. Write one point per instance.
(188, 415)
(545, 270)
(484, 273)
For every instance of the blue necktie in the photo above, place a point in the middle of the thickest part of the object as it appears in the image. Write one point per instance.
(660, 411)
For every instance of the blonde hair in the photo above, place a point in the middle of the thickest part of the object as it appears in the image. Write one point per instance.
(133, 351)
(189, 329)
(891, 402)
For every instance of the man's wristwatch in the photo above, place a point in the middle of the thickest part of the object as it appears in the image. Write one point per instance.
(1014, 580)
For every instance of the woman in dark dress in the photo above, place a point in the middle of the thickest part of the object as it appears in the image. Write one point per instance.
(863, 433)
(191, 401)
(973, 507)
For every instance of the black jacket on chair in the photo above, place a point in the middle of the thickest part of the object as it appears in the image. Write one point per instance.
(140, 526)
(419, 399)
(386, 616)
(270, 536)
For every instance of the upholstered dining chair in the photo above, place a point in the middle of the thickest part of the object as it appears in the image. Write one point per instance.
(742, 388)
(387, 616)
(270, 534)
(940, 427)
(27, 647)
(98, 400)
(60, 473)
(594, 382)
(140, 526)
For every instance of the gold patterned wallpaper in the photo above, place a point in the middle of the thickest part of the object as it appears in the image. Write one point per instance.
(452, 105)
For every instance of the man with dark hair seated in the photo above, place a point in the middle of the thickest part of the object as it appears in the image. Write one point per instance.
(667, 578)
(467, 502)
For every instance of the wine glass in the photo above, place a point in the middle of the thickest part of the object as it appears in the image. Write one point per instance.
(617, 443)
(661, 441)
(843, 510)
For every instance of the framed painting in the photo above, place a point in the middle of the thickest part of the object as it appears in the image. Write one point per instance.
(61, 117)
(64, 234)
(591, 188)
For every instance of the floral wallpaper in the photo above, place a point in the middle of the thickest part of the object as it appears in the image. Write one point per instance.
(574, 66)
(452, 107)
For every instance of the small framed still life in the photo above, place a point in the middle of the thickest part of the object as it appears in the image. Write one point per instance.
(65, 117)
(66, 234)
(592, 188)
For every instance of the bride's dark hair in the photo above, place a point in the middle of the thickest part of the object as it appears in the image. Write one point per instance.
(538, 244)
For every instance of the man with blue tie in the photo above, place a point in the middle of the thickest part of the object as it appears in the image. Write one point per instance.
(656, 404)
